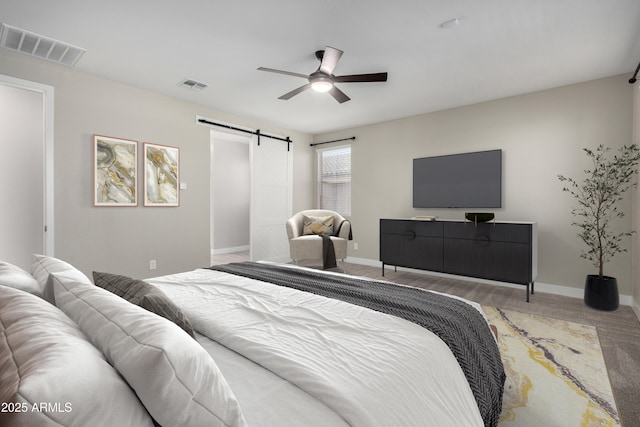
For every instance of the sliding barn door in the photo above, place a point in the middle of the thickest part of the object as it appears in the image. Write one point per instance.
(271, 199)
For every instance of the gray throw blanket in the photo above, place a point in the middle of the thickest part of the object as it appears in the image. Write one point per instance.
(328, 251)
(459, 325)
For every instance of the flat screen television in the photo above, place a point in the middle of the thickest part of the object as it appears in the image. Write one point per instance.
(468, 180)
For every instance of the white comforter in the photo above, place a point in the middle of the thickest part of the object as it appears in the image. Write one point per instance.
(371, 368)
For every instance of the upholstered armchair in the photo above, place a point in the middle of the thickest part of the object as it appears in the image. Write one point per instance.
(305, 243)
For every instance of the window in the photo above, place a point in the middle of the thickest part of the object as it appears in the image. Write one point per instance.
(334, 179)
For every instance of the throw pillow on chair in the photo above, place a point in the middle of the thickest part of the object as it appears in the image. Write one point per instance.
(317, 225)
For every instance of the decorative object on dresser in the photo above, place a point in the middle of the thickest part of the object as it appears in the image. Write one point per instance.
(500, 251)
(477, 217)
(424, 218)
(597, 197)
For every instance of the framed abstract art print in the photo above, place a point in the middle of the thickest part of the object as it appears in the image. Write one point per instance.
(115, 162)
(161, 175)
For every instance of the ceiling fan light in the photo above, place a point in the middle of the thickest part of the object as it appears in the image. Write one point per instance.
(322, 86)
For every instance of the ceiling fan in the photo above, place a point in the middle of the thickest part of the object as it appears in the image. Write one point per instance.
(323, 80)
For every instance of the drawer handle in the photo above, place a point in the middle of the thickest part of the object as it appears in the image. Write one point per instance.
(411, 234)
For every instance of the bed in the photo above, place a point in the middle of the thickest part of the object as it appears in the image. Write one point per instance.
(242, 344)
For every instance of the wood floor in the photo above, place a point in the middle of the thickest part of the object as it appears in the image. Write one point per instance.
(619, 331)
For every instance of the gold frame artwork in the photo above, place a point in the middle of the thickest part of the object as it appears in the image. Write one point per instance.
(161, 175)
(115, 171)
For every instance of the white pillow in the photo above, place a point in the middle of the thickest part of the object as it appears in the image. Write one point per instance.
(174, 377)
(45, 359)
(15, 277)
(42, 266)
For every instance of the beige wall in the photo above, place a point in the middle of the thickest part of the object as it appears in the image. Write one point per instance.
(541, 135)
(123, 240)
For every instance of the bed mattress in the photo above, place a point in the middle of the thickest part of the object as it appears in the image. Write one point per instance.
(296, 358)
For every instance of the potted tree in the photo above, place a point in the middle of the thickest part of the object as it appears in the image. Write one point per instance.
(597, 197)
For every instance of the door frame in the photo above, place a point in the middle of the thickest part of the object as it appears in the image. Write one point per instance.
(48, 140)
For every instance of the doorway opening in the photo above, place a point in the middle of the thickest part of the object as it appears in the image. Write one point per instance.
(26, 133)
(230, 197)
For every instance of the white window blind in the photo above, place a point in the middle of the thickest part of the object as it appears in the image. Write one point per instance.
(334, 170)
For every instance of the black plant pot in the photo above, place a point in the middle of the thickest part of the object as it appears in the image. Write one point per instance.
(601, 292)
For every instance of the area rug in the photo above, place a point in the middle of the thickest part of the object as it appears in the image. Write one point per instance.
(556, 375)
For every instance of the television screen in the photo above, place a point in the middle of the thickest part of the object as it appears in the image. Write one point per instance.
(469, 180)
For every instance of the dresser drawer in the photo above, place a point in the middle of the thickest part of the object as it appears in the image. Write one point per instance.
(411, 228)
(488, 231)
(503, 261)
(414, 252)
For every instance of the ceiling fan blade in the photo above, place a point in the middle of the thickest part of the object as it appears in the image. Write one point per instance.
(330, 59)
(339, 95)
(294, 92)
(357, 78)
(288, 73)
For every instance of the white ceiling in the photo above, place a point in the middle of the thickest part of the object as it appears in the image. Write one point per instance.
(500, 48)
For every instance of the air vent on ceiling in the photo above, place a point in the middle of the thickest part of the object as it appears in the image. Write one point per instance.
(192, 84)
(39, 46)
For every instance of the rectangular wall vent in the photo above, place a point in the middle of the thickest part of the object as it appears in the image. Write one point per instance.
(39, 46)
(192, 84)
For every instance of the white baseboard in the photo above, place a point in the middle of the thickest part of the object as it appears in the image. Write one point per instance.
(230, 250)
(636, 308)
(542, 287)
(364, 261)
